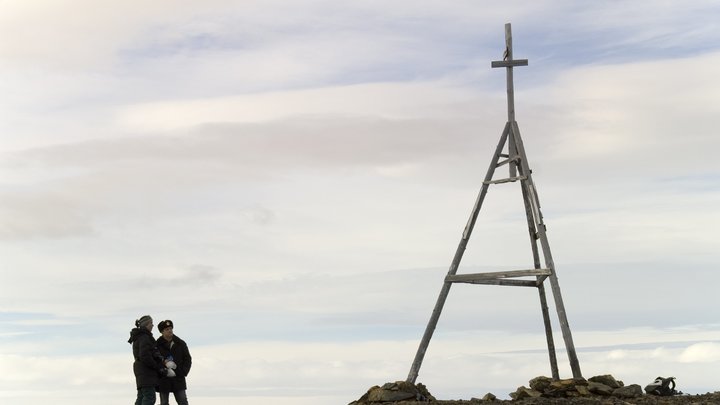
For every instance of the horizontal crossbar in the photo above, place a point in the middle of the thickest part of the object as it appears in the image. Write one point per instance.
(505, 282)
(495, 275)
(506, 161)
(508, 180)
(509, 63)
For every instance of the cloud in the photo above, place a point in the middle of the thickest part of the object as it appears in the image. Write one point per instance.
(45, 215)
(706, 352)
(75, 185)
(382, 100)
(194, 276)
(600, 135)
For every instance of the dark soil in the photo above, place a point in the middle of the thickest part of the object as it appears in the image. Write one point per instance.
(704, 399)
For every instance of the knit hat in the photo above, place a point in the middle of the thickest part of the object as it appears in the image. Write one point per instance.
(165, 324)
(144, 321)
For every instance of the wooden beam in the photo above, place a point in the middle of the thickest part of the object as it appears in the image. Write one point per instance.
(506, 161)
(507, 180)
(468, 278)
(548, 332)
(509, 63)
(506, 282)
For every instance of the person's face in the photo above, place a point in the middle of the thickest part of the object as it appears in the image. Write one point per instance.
(167, 333)
(150, 326)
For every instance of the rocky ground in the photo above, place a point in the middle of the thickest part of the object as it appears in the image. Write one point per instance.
(599, 390)
(705, 399)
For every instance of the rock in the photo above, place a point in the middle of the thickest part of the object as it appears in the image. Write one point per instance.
(540, 383)
(523, 392)
(582, 391)
(542, 391)
(489, 397)
(395, 392)
(385, 395)
(631, 391)
(425, 394)
(606, 379)
(600, 388)
(565, 388)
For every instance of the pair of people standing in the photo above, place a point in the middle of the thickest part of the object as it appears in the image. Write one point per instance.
(160, 365)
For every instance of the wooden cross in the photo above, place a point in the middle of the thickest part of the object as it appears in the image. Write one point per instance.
(516, 159)
(508, 62)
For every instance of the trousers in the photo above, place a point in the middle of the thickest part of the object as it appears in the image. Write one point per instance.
(180, 398)
(145, 396)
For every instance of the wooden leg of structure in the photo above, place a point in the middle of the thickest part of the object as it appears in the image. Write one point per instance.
(548, 333)
(440, 303)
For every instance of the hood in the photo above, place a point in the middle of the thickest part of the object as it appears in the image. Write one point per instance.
(136, 332)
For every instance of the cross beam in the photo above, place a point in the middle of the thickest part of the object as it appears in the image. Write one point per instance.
(508, 63)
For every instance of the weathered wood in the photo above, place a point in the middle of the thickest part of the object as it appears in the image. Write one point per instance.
(506, 180)
(549, 263)
(466, 278)
(509, 63)
(512, 150)
(533, 235)
(548, 331)
(506, 161)
(503, 282)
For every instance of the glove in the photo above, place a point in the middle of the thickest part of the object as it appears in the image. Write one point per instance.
(170, 372)
(171, 364)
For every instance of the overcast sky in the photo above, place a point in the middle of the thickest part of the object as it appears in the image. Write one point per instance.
(288, 181)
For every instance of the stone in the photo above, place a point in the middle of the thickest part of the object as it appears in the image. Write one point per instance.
(606, 379)
(631, 391)
(540, 383)
(395, 392)
(600, 388)
(425, 394)
(398, 391)
(523, 392)
(582, 390)
(559, 388)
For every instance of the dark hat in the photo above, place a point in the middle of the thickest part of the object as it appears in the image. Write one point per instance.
(143, 321)
(165, 324)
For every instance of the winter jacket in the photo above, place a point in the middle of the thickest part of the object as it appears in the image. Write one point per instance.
(177, 348)
(148, 362)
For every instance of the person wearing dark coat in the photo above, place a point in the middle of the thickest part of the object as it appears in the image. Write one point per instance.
(148, 365)
(176, 354)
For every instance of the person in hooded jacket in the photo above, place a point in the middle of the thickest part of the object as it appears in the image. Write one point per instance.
(175, 353)
(148, 365)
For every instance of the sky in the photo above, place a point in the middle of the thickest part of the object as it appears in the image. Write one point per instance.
(288, 181)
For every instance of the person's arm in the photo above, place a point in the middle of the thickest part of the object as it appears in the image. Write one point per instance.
(145, 350)
(187, 363)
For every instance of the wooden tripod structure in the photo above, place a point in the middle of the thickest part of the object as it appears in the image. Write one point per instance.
(516, 159)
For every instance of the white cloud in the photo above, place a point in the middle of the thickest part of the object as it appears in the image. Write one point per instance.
(384, 101)
(706, 352)
(664, 103)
